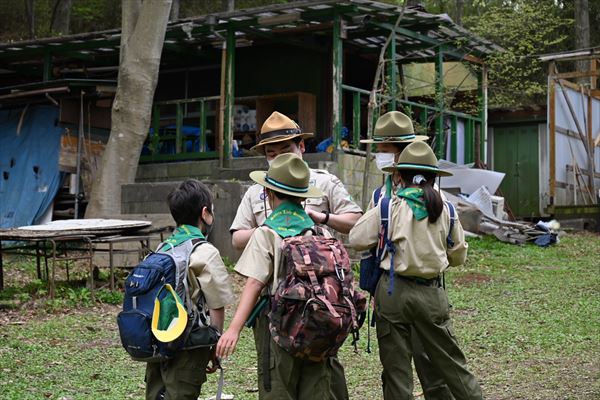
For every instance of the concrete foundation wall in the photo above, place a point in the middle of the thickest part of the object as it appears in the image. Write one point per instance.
(148, 197)
(350, 169)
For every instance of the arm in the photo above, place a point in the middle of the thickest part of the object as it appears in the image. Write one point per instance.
(365, 233)
(457, 255)
(240, 238)
(217, 317)
(339, 222)
(244, 223)
(228, 341)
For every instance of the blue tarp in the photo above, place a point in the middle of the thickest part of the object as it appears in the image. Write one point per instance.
(29, 171)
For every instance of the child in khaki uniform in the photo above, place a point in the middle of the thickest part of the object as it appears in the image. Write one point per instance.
(393, 132)
(182, 377)
(409, 298)
(283, 376)
(334, 209)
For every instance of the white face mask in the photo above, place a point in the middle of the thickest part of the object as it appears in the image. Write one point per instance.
(384, 160)
(270, 162)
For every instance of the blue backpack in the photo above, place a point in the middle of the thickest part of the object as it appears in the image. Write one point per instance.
(142, 287)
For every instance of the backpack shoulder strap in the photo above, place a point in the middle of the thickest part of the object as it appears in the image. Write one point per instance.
(376, 196)
(385, 216)
(452, 212)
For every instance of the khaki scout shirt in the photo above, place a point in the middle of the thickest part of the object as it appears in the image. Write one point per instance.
(262, 258)
(420, 246)
(208, 275)
(336, 200)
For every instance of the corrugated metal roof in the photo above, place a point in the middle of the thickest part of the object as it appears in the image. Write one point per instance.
(362, 19)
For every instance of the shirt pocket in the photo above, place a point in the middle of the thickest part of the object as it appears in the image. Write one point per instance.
(316, 204)
(258, 207)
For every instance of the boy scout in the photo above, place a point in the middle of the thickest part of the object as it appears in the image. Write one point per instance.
(182, 377)
(393, 132)
(409, 297)
(283, 376)
(335, 208)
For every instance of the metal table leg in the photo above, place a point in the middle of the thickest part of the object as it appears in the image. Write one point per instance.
(111, 265)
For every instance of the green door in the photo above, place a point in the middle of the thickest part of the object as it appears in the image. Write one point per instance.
(516, 150)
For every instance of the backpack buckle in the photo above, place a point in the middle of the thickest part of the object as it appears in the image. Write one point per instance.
(341, 275)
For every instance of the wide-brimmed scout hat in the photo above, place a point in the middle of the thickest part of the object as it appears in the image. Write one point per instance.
(278, 128)
(169, 317)
(394, 127)
(418, 156)
(287, 174)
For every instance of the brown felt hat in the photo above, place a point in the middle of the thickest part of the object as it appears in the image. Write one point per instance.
(418, 156)
(394, 127)
(278, 128)
(288, 174)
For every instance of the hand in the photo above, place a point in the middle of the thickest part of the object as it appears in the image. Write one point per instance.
(317, 217)
(227, 343)
(213, 362)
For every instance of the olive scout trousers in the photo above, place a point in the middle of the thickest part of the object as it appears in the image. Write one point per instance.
(180, 378)
(432, 382)
(290, 378)
(414, 308)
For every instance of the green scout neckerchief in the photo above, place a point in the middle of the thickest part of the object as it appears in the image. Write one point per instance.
(289, 219)
(388, 186)
(414, 198)
(181, 234)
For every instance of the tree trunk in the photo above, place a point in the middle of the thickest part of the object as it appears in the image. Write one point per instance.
(174, 16)
(459, 11)
(142, 37)
(30, 13)
(582, 33)
(61, 17)
(228, 5)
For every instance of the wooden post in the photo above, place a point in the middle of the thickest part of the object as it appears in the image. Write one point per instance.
(439, 102)
(202, 147)
(552, 129)
(155, 128)
(356, 120)
(229, 95)
(47, 67)
(391, 72)
(338, 52)
(482, 93)
(454, 139)
(178, 132)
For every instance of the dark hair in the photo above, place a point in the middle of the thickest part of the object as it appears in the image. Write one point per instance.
(433, 200)
(400, 146)
(288, 197)
(187, 200)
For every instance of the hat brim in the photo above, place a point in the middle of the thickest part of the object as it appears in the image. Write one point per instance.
(175, 329)
(283, 138)
(417, 138)
(411, 167)
(259, 177)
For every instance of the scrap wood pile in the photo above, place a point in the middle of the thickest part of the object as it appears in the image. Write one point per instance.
(480, 212)
(480, 215)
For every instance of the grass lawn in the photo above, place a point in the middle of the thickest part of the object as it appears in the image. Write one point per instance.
(528, 320)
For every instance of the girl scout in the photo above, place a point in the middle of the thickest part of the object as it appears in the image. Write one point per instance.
(393, 132)
(409, 297)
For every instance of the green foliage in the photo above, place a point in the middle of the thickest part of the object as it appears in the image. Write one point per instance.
(524, 29)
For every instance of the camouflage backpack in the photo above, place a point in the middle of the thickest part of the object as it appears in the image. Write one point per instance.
(315, 307)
